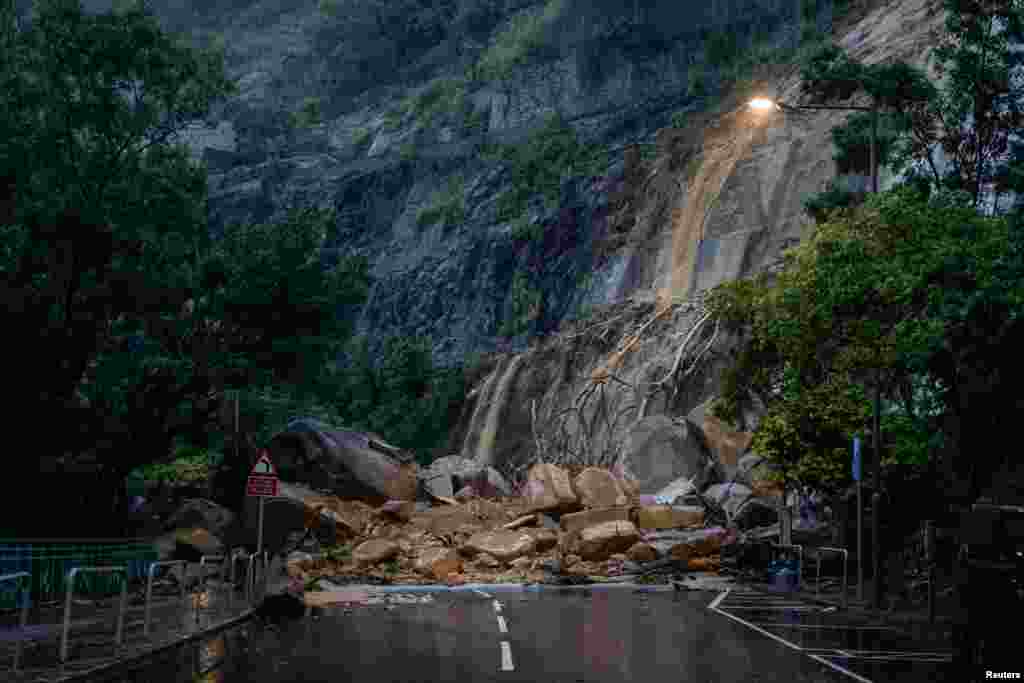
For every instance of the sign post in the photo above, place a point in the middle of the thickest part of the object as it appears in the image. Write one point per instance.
(262, 482)
(860, 515)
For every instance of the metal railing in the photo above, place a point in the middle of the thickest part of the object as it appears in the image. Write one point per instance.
(149, 588)
(23, 620)
(67, 605)
(846, 563)
(256, 562)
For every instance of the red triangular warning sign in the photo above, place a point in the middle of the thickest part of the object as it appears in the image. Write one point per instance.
(263, 466)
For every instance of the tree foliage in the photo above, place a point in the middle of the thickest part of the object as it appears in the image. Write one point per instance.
(920, 298)
(971, 118)
(127, 319)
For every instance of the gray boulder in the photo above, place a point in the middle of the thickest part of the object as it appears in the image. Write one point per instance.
(202, 513)
(675, 492)
(755, 512)
(453, 473)
(658, 451)
(349, 464)
(729, 497)
(284, 518)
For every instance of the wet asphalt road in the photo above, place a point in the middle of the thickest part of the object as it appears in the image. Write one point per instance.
(566, 637)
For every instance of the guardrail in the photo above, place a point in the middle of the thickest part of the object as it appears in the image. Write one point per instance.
(149, 588)
(67, 605)
(256, 562)
(846, 564)
(23, 620)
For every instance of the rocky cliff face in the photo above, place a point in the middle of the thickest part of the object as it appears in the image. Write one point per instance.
(722, 200)
(486, 72)
(400, 100)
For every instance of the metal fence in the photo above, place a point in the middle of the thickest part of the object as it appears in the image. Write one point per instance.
(181, 613)
(48, 562)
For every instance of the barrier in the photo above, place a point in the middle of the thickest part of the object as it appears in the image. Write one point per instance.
(251, 578)
(846, 564)
(23, 621)
(48, 561)
(67, 605)
(149, 588)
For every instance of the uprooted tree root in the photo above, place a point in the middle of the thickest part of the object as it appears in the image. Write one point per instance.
(568, 437)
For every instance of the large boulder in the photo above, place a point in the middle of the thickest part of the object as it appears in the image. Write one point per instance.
(728, 496)
(548, 488)
(452, 473)
(756, 512)
(598, 488)
(438, 563)
(657, 451)
(192, 544)
(577, 521)
(726, 444)
(350, 464)
(675, 492)
(201, 513)
(601, 541)
(683, 545)
(667, 516)
(503, 544)
(375, 550)
(295, 509)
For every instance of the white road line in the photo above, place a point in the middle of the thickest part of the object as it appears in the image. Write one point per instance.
(816, 626)
(480, 592)
(506, 656)
(788, 644)
(497, 606)
(794, 609)
(895, 653)
(843, 653)
(722, 596)
(501, 624)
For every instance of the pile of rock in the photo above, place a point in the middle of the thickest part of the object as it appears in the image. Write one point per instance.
(468, 524)
(590, 525)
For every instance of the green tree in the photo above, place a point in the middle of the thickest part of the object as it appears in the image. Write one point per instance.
(970, 119)
(921, 297)
(128, 320)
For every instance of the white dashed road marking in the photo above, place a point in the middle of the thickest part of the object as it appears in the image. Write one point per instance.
(501, 624)
(506, 656)
(497, 606)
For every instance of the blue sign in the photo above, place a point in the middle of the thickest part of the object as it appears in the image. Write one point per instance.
(856, 458)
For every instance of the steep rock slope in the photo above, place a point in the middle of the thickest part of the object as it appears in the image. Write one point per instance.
(735, 180)
(403, 99)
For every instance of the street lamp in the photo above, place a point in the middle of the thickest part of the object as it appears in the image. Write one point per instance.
(762, 104)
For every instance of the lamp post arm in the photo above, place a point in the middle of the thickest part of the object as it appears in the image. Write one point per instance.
(793, 107)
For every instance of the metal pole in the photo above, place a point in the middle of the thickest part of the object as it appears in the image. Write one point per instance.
(259, 536)
(119, 635)
(24, 593)
(876, 503)
(860, 544)
(236, 425)
(930, 555)
(875, 153)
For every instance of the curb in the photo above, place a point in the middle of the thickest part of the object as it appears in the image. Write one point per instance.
(502, 587)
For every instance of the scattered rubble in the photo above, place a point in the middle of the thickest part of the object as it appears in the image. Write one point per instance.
(568, 525)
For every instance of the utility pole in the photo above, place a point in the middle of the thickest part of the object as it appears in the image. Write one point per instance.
(876, 503)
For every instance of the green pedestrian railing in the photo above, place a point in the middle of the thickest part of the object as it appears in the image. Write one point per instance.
(48, 562)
